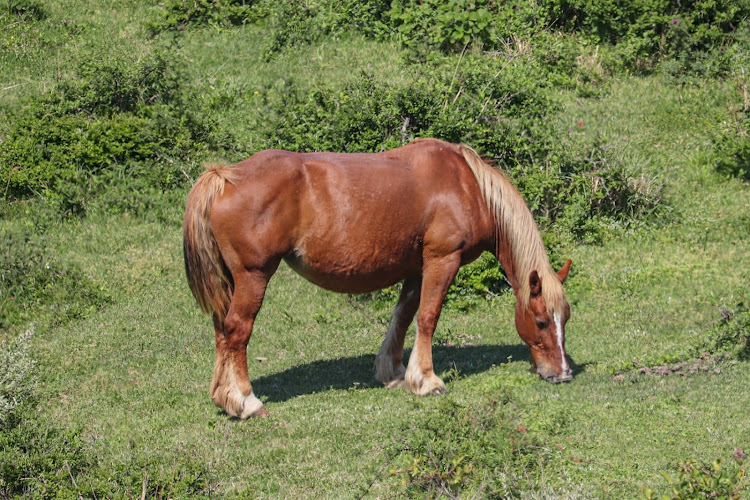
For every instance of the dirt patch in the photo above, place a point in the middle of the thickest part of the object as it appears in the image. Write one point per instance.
(703, 365)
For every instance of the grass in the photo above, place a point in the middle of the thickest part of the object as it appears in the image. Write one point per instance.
(133, 376)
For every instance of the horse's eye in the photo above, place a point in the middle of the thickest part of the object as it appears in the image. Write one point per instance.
(542, 324)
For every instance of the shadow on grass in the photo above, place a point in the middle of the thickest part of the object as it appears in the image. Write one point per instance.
(359, 371)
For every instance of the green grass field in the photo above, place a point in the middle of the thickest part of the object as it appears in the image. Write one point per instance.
(131, 373)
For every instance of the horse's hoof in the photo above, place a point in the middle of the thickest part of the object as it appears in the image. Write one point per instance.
(261, 412)
(393, 384)
(438, 391)
(253, 407)
(425, 386)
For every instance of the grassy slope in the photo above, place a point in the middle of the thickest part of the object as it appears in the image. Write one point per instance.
(135, 376)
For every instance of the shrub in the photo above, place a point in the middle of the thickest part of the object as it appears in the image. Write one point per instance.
(177, 15)
(732, 141)
(112, 116)
(27, 9)
(449, 26)
(39, 460)
(694, 34)
(298, 22)
(733, 148)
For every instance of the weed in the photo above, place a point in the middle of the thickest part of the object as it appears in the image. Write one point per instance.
(40, 460)
(458, 450)
(27, 9)
(731, 335)
(696, 479)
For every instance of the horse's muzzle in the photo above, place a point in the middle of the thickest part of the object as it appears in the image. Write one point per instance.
(565, 376)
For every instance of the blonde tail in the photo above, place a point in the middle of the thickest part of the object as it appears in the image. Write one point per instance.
(208, 276)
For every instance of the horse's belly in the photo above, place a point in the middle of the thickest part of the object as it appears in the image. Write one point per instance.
(352, 274)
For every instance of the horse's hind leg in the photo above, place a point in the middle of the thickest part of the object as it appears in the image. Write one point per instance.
(389, 364)
(230, 387)
(438, 274)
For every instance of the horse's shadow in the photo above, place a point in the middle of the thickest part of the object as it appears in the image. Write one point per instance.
(358, 371)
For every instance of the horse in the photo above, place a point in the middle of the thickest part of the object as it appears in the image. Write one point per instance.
(360, 222)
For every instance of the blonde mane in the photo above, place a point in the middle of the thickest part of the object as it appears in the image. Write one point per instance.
(517, 229)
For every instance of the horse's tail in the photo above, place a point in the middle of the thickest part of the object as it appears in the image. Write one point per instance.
(208, 276)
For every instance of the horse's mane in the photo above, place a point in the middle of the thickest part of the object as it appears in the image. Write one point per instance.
(517, 229)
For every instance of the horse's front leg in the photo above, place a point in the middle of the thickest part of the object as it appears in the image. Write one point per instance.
(437, 277)
(389, 364)
(231, 388)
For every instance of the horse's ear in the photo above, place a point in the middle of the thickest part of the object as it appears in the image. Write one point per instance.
(535, 284)
(563, 273)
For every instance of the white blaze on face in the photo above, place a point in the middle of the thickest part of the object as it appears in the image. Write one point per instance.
(558, 324)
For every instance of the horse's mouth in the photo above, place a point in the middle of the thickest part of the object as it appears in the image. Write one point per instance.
(566, 376)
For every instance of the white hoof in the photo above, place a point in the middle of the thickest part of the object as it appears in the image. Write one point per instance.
(421, 385)
(252, 407)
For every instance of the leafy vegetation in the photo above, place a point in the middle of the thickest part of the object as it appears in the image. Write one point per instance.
(731, 334)
(114, 122)
(696, 479)
(45, 461)
(693, 37)
(464, 451)
(177, 15)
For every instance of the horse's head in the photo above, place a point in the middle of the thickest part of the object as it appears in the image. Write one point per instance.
(543, 328)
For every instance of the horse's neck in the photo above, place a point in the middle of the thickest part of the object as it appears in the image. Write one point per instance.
(521, 253)
(504, 253)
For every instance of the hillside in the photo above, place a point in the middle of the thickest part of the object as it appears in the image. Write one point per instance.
(630, 147)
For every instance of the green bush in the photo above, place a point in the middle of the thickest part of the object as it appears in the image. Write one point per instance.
(39, 460)
(113, 118)
(449, 26)
(27, 9)
(693, 36)
(733, 149)
(732, 139)
(177, 15)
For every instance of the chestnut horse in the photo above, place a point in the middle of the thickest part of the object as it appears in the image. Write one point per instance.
(357, 223)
